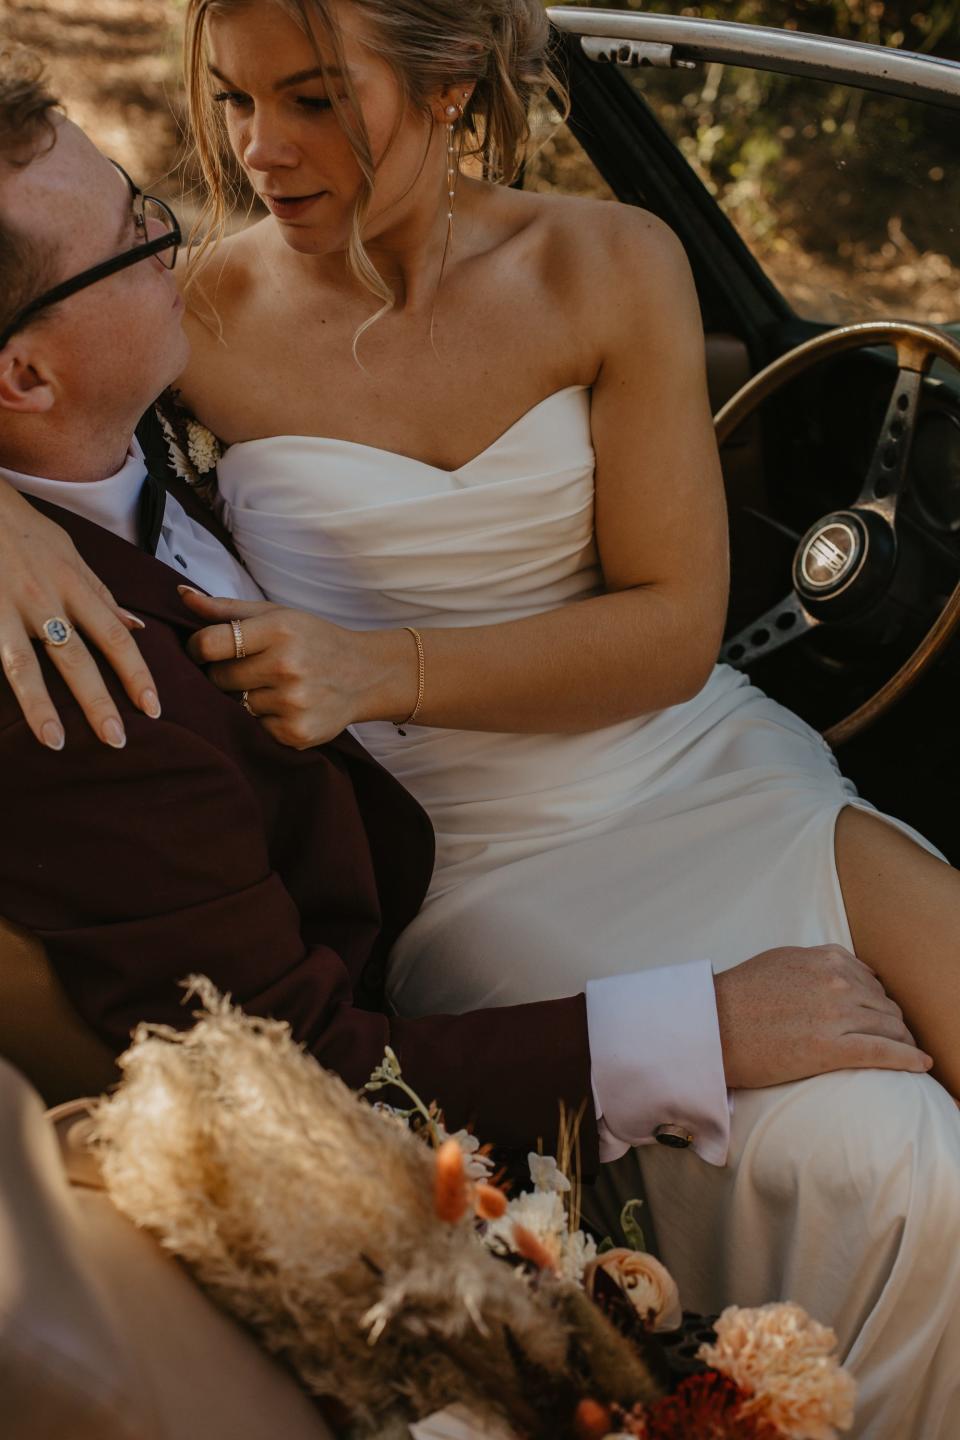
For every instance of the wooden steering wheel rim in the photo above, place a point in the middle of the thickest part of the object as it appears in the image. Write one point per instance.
(916, 346)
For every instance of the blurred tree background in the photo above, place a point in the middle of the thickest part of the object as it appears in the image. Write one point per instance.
(851, 201)
(907, 24)
(115, 64)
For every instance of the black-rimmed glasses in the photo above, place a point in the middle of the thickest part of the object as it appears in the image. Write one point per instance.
(148, 212)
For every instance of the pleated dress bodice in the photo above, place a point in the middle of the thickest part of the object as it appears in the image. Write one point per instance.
(368, 538)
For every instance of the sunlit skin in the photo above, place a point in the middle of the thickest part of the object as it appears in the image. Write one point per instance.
(290, 142)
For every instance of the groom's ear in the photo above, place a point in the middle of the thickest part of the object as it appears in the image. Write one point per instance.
(25, 387)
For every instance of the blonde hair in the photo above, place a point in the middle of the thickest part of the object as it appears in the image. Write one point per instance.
(500, 47)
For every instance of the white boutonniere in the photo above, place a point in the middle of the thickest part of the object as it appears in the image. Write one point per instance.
(193, 449)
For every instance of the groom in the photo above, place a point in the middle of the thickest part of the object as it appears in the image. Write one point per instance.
(199, 844)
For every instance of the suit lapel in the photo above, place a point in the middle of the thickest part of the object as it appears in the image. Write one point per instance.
(156, 452)
(140, 582)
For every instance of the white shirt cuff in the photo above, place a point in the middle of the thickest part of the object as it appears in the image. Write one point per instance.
(657, 1060)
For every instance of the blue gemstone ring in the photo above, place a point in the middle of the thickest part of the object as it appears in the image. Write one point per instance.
(56, 630)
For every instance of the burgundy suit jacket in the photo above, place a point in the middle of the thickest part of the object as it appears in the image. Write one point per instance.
(205, 846)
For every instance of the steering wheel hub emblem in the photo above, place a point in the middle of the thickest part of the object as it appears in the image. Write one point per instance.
(829, 555)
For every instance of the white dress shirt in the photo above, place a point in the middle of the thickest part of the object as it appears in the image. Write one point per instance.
(184, 544)
(654, 1035)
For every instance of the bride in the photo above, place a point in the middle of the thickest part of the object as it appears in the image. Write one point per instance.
(464, 429)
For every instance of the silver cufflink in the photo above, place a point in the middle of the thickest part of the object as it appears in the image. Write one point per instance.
(678, 1136)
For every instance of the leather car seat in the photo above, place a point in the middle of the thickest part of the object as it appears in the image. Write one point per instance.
(40, 1031)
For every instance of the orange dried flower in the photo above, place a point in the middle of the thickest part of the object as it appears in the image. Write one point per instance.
(489, 1202)
(531, 1248)
(450, 1194)
(591, 1420)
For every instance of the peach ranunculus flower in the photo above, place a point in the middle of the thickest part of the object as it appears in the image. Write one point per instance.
(649, 1285)
(784, 1360)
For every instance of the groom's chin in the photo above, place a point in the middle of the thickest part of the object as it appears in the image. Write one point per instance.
(179, 353)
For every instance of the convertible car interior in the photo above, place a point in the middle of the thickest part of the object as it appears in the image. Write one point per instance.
(838, 403)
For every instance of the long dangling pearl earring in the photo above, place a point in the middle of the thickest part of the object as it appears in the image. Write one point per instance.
(453, 114)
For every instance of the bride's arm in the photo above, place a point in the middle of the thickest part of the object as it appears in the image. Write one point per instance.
(649, 641)
(41, 575)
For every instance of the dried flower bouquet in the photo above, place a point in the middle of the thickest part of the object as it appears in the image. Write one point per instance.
(375, 1254)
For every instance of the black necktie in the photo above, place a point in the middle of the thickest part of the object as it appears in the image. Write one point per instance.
(153, 501)
(153, 496)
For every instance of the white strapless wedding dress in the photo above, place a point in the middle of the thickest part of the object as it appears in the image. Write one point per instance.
(703, 831)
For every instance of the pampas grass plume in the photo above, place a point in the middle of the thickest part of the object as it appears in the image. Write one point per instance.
(311, 1217)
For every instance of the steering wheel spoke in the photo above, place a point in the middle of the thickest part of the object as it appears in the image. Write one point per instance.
(780, 625)
(887, 473)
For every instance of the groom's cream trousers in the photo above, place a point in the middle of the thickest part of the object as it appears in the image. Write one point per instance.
(840, 1192)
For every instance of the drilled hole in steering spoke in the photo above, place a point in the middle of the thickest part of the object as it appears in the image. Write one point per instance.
(736, 652)
(903, 402)
(760, 637)
(786, 621)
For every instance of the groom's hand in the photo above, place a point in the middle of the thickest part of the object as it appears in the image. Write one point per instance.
(789, 1013)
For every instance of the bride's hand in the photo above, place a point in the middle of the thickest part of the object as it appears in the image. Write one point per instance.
(41, 577)
(305, 678)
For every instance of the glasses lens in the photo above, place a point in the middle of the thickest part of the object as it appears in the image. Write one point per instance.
(159, 221)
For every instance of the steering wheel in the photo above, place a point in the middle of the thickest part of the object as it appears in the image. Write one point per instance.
(845, 564)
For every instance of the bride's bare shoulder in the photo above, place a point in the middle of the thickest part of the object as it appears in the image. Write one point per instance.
(217, 285)
(604, 245)
(615, 270)
(216, 278)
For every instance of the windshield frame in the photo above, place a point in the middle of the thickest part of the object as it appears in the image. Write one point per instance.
(882, 68)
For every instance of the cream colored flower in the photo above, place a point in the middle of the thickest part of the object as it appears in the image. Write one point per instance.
(784, 1360)
(546, 1173)
(477, 1167)
(650, 1287)
(541, 1212)
(203, 447)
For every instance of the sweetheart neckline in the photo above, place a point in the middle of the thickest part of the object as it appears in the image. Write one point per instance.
(412, 459)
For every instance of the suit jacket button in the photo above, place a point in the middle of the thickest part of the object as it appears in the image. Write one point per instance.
(678, 1136)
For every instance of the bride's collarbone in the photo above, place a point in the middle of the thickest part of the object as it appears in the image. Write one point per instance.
(411, 401)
